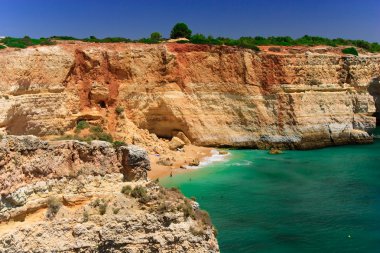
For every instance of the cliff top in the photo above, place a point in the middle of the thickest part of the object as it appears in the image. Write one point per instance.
(190, 47)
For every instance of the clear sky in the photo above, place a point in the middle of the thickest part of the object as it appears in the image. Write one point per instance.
(351, 19)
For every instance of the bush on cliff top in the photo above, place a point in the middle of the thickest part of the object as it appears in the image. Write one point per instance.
(180, 30)
(25, 42)
(350, 50)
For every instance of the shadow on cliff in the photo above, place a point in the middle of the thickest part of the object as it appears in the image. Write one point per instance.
(374, 90)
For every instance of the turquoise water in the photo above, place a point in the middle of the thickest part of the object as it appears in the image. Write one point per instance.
(325, 200)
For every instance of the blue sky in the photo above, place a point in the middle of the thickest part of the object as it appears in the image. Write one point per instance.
(352, 19)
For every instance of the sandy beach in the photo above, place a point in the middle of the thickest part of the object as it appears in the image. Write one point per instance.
(180, 160)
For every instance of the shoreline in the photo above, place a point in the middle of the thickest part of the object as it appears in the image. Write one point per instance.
(183, 159)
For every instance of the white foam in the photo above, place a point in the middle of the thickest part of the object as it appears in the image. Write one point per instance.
(243, 163)
(214, 158)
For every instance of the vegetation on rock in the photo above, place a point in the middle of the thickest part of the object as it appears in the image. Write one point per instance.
(180, 30)
(350, 50)
(53, 205)
(156, 36)
(126, 190)
(25, 42)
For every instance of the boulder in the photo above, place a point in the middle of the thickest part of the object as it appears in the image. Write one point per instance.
(182, 137)
(135, 162)
(194, 162)
(165, 161)
(176, 143)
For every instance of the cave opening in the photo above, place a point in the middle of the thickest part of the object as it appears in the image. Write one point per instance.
(377, 115)
(102, 104)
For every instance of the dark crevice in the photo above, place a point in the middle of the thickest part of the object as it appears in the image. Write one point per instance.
(374, 90)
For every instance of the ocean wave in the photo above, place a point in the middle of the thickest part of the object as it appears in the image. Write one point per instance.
(243, 163)
(215, 157)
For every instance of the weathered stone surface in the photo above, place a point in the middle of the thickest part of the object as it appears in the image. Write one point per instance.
(135, 162)
(126, 225)
(69, 196)
(25, 159)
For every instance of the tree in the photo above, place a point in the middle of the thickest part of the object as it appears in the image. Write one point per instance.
(156, 36)
(180, 30)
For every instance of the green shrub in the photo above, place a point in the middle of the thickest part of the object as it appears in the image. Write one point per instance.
(117, 144)
(119, 110)
(53, 205)
(204, 217)
(25, 42)
(99, 134)
(82, 124)
(155, 36)
(175, 189)
(163, 207)
(145, 199)
(2, 47)
(63, 38)
(86, 216)
(350, 50)
(103, 137)
(103, 207)
(139, 192)
(187, 210)
(197, 231)
(126, 190)
(180, 30)
(312, 82)
(96, 129)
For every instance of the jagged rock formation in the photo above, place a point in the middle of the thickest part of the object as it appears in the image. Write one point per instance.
(295, 97)
(69, 196)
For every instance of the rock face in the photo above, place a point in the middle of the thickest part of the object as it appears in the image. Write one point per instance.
(25, 159)
(69, 196)
(296, 97)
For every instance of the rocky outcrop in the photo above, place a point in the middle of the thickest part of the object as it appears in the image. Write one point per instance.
(25, 159)
(69, 196)
(297, 97)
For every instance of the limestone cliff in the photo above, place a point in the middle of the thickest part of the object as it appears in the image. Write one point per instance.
(76, 197)
(295, 97)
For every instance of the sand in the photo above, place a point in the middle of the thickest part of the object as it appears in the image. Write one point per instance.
(179, 158)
